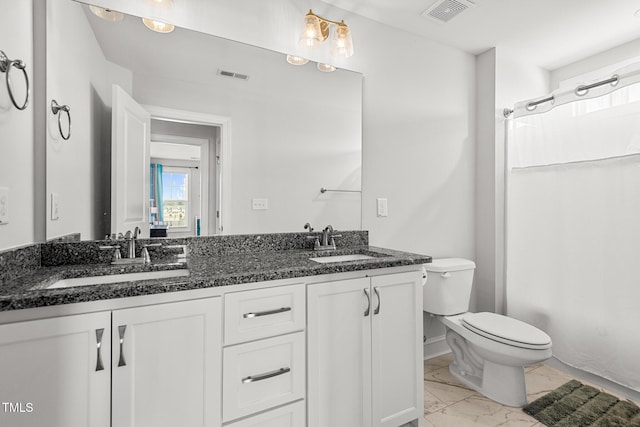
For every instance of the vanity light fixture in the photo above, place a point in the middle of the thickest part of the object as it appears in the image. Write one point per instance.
(326, 68)
(106, 14)
(157, 26)
(316, 29)
(296, 60)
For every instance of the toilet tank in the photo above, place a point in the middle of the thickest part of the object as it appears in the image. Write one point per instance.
(448, 287)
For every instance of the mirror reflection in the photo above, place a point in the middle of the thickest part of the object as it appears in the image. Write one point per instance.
(192, 131)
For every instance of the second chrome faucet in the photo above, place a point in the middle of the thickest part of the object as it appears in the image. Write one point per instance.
(324, 241)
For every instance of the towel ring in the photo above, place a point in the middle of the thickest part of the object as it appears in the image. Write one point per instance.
(56, 108)
(5, 67)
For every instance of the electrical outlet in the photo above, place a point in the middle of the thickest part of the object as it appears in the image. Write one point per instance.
(55, 206)
(4, 205)
(260, 204)
(382, 207)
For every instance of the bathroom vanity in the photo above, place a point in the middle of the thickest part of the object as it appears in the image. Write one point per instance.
(258, 333)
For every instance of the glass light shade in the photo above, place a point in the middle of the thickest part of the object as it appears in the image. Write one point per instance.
(342, 44)
(296, 60)
(106, 14)
(312, 32)
(157, 26)
(326, 68)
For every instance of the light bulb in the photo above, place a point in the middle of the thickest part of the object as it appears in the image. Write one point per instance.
(106, 14)
(296, 60)
(157, 26)
(342, 44)
(326, 68)
(312, 31)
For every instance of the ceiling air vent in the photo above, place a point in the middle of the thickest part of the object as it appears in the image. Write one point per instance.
(446, 10)
(225, 73)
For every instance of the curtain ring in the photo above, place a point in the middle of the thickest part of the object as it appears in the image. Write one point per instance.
(56, 108)
(5, 67)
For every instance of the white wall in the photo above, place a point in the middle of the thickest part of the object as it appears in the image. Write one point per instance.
(78, 169)
(595, 66)
(503, 78)
(17, 170)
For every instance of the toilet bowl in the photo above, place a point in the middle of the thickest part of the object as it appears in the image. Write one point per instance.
(489, 350)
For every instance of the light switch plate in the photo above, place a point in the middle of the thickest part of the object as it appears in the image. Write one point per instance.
(55, 206)
(4, 205)
(260, 204)
(382, 207)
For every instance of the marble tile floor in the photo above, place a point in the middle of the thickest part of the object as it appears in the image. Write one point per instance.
(447, 403)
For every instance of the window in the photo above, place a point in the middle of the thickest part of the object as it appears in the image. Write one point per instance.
(175, 193)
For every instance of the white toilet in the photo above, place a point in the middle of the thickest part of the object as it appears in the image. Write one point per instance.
(490, 351)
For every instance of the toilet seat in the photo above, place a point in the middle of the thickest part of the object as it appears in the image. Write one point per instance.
(506, 330)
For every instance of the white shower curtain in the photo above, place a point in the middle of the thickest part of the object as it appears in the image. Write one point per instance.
(573, 226)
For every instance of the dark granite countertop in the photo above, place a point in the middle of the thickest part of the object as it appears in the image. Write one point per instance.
(205, 270)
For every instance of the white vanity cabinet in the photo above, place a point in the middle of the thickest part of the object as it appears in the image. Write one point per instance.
(56, 372)
(364, 347)
(166, 364)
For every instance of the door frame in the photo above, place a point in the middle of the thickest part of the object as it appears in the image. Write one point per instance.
(215, 219)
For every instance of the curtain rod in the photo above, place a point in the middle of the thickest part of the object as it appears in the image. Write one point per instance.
(581, 90)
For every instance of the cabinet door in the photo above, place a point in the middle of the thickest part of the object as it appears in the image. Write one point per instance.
(397, 356)
(339, 353)
(166, 365)
(56, 372)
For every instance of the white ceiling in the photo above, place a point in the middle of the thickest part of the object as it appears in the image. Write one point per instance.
(551, 33)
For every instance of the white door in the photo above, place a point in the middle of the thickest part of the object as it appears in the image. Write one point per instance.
(166, 365)
(130, 140)
(339, 353)
(56, 372)
(397, 355)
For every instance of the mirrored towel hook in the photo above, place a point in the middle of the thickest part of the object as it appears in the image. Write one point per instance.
(5, 67)
(55, 109)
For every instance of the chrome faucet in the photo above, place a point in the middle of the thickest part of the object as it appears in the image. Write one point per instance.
(328, 243)
(131, 241)
(326, 234)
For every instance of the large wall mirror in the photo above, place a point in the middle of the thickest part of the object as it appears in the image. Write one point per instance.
(239, 140)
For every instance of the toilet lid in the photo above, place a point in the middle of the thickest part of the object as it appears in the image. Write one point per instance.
(506, 330)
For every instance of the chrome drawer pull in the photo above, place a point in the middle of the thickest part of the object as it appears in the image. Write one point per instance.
(266, 313)
(254, 378)
(368, 310)
(377, 291)
(121, 331)
(99, 365)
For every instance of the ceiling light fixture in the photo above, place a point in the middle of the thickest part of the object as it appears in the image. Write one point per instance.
(296, 60)
(157, 26)
(326, 68)
(316, 29)
(106, 14)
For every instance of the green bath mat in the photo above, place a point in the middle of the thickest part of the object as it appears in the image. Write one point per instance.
(577, 405)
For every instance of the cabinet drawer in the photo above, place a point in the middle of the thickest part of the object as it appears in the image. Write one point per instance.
(262, 313)
(263, 374)
(292, 415)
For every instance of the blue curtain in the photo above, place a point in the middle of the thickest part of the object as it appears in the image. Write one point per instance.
(156, 188)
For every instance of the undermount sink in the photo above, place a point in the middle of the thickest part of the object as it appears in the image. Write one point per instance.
(117, 278)
(341, 258)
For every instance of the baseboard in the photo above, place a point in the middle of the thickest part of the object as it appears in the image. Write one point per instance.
(436, 346)
(594, 379)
